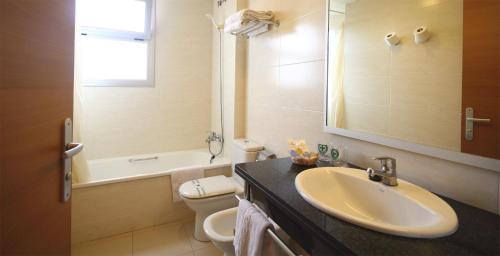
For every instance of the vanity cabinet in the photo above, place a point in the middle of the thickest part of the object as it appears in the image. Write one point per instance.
(270, 185)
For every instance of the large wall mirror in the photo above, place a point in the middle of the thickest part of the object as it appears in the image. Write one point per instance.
(421, 75)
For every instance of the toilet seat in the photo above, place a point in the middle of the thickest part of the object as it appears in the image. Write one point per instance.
(209, 187)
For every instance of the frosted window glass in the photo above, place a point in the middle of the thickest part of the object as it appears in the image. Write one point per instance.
(114, 59)
(127, 15)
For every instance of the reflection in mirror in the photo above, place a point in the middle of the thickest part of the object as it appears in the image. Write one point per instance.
(413, 91)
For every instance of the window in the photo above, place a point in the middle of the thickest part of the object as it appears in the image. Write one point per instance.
(115, 42)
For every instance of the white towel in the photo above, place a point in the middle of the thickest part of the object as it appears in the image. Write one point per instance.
(181, 176)
(247, 15)
(251, 225)
(259, 30)
(238, 28)
(246, 21)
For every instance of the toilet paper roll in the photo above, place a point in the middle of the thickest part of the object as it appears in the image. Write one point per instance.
(421, 35)
(391, 39)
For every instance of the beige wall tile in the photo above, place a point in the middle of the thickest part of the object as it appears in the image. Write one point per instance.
(370, 90)
(116, 208)
(367, 118)
(265, 48)
(298, 80)
(292, 9)
(303, 39)
(368, 62)
(226, 171)
(263, 85)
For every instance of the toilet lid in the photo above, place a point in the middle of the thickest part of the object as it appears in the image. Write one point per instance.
(207, 187)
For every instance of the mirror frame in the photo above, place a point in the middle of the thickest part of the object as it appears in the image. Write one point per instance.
(453, 156)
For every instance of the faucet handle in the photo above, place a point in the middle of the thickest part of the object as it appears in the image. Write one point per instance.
(387, 162)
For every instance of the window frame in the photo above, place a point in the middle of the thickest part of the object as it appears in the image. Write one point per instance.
(131, 36)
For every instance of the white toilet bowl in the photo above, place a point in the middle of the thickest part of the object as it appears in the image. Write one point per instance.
(219, 227)
(207, 196)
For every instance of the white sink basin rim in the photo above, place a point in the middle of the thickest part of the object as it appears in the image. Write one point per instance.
(405, 210)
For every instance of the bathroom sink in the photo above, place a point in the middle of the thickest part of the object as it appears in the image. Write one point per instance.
(404, 210)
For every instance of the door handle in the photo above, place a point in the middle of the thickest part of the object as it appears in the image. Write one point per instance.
(469, 123)
(72, 149)
(478, 120)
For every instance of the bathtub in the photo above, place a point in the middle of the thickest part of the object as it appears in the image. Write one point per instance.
(123, 194)
(120, 169)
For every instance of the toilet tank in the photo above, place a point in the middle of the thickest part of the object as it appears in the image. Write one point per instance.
(245, 151)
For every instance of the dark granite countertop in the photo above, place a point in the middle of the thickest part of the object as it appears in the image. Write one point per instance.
(478, 232)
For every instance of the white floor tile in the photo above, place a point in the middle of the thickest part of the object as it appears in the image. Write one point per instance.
(165, 240)
(210, 250)
(195, 244)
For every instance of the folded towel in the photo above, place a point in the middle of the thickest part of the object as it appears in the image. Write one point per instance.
(251, 225)
(181, 176)
(246, 21)
(247, 15)
(238, 28)
(259, 30)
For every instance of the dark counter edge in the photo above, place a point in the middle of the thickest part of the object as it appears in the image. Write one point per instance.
(324, 236)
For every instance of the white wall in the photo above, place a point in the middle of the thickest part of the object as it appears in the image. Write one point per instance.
(285, 100)
(175, 114)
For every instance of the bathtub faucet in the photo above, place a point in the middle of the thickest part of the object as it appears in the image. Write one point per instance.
(213, 136)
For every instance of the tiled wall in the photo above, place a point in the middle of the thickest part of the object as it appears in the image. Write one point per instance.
(175, 114)
(285, 73)
(415, 86)
(112, 209)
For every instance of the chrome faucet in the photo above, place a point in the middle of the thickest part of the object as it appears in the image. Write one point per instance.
(213, 136)
(387, 171)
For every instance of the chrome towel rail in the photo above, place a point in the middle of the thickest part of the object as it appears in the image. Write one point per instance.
(245, 32)
(132, 160)
(272, 234)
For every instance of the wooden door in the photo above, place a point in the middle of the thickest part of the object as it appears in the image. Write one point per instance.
(481, 75)
(36, 95)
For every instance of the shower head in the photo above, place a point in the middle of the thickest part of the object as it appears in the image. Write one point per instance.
(211, 18)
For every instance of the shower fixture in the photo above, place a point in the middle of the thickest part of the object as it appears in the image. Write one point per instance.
(211, 18)
(220, 2)
(213, 136)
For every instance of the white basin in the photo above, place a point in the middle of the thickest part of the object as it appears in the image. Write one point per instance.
(405, 210)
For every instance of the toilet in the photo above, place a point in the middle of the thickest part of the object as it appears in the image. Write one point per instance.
(219, 227)
(212, 194)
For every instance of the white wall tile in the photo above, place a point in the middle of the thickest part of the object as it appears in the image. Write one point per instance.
(303, 39)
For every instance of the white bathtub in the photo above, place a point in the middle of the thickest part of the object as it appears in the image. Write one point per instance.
(111, 170)
(119, 196)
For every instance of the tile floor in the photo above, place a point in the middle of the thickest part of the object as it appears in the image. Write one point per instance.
(173, 239)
